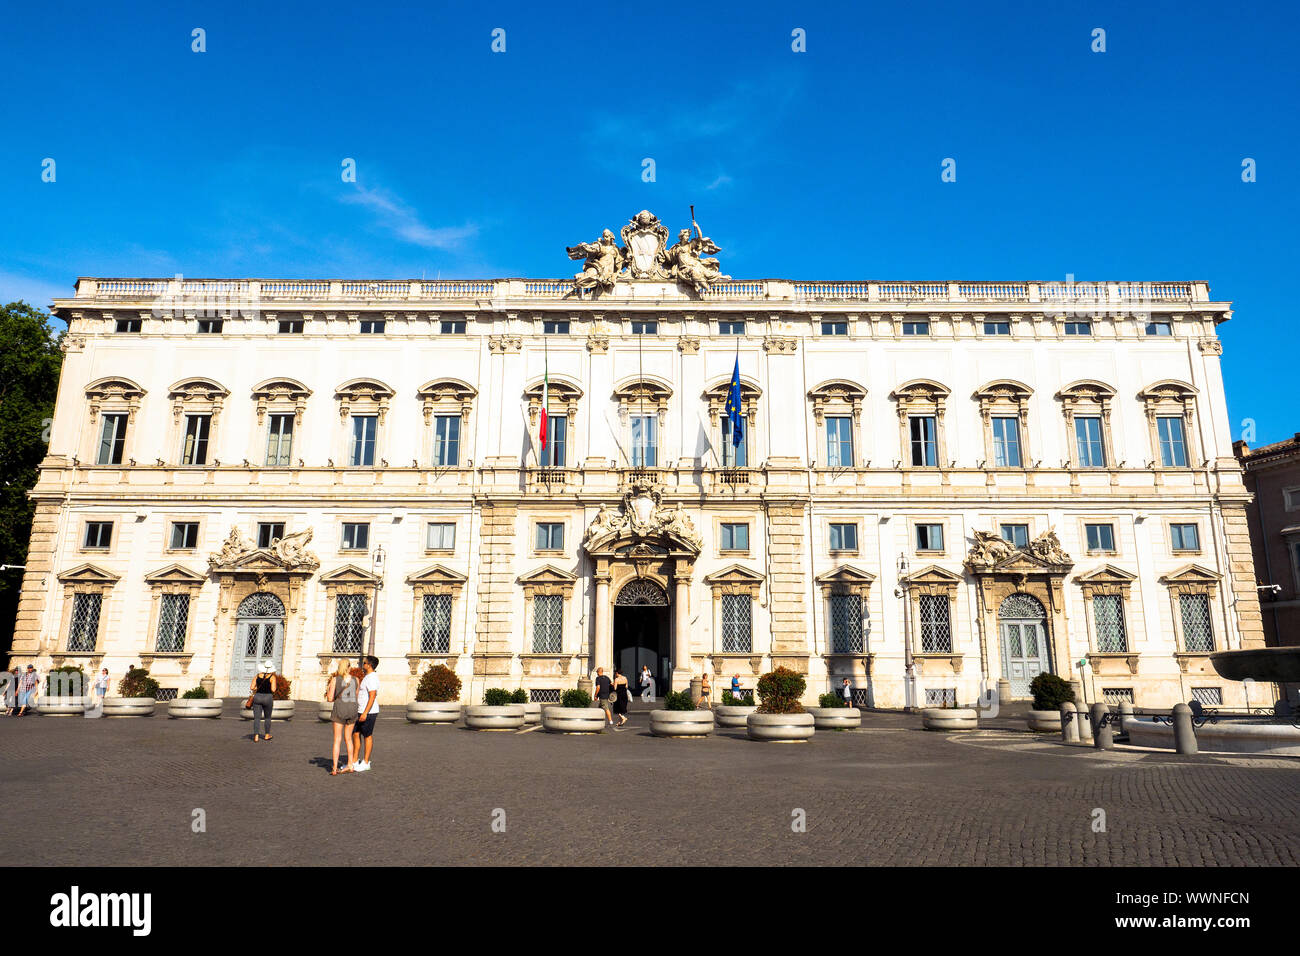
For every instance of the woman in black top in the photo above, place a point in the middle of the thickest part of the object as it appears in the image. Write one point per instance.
(620, 697)
(262, 700)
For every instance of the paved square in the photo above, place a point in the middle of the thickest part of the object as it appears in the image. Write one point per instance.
(123, 792)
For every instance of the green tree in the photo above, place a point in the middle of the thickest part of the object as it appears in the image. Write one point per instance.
(30, 359)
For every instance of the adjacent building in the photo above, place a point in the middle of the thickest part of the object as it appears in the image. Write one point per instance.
(1272, 476)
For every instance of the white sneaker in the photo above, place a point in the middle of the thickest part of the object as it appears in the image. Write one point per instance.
(361, 767)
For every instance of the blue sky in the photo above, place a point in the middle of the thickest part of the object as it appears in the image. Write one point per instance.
(825, 164)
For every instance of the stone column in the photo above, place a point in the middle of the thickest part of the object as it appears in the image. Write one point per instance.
(603, 642)
(682, 635)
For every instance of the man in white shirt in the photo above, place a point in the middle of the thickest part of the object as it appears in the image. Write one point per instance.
(368, 704)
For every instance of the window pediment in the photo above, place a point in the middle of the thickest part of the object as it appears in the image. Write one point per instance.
(199, 389)
(734, 579)
(175, 574)
(88, 574)
(1106, 579)
(437, 574)
(1191, 576)
(115, 393)
(562, 395)
(1169, 390)
(643, 392)
(921, 391)
(348, 575)
(1086, 392)
(363, 395)
(839, 392)
(716, 396)
(846, 578)
(547, 579)
(1003, 391)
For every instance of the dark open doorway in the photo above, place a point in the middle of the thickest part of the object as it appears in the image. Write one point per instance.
(641, 639)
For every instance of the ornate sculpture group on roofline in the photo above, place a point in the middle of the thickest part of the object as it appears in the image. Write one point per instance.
(645, 254)
(643, 516)
(991, 549)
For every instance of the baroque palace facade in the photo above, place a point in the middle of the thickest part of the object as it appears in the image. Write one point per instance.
(943, 488)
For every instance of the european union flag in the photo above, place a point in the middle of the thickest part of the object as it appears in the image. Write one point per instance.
(733, 407)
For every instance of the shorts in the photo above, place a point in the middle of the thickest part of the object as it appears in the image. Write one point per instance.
(605, 704)
(365, 728)
(25, 697)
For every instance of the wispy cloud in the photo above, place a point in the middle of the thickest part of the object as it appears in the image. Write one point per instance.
(722, 180)
(405, 223)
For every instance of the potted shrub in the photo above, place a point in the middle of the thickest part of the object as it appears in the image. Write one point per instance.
(497, 712)
(779, 715)
(437, 697)
(137, 695)
(574, 715)
(680, 718)
(194, 703)
(1049, 692)
(733, 711)
(64, 693)
(834, 714)
(282, 707)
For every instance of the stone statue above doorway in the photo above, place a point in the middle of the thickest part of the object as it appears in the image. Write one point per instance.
(643, 516)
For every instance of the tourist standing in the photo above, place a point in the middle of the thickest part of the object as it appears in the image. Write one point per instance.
(603, 688)
(15, 677)
(735, 686)
(368, 707)
(706, 692)
(99, 692)
(341, 691)
(262, 700)
(846, 691)
(620, 697)
(647, 685)
(27, 690)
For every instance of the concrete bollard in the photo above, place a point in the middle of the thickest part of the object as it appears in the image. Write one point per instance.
(1101, 736)
(1184, 732)
(1125, 712)
(1084, 732)
(1069, 729)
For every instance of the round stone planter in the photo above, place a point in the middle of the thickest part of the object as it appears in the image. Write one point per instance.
(323, 712)
(1045, 721)
(780, 727)
(836, 718)
(433, 711)
(280, 710)
(949, 718)
(725, 716)
(681, 723)
(200, 707)
(129, 706)
(61, 706)
(533, 712)
(573, 720)
(485, 717)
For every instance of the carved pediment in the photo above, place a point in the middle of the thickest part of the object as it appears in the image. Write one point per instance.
(734, 574)
(175, 574)
(349, 574)
(993, 554)
(88, 574)
(933, 574)
(547, 574)
(436, 574)
(1192, 574)
(285, 554)
(846, 574)
(643, 521)
(1106, 574)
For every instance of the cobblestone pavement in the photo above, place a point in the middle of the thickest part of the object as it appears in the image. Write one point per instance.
(123, 792)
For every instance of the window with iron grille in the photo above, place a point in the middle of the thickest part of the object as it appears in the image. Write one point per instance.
(435, 629)
(548, 624)
(1198, 634)
(1108, 619)
(846, 624)
(173, 615)
(1117, 695)
(546, 695)
(167, 693)
(860, 697)
(936, 631)
(1212, 696)
(84, 629)
(349, 623)
(737, 624)
(941, 697)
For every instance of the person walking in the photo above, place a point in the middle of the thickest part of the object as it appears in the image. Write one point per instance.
(27, 685)
(735, 686)
(99, 692)
(647, 685)
(341, 691)
(15, 677)
(706, 692)
(262, 699)
(846, 691)
(368, 707)
(603, 688)
(621, 696)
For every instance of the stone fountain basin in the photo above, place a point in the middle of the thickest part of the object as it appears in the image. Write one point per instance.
(1281, 665)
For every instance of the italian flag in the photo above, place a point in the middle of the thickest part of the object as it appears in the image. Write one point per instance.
(546, 387)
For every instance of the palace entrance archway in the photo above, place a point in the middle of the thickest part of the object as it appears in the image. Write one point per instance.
(641, 633)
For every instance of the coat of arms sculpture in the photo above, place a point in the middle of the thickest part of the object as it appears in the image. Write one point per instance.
(646, 255)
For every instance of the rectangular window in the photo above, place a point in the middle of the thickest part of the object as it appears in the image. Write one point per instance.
(99, 535)
(290, 327)
(1087, 435)
(997, 327)
(1173, 441)
(373, 326)
(1078, 328)
(1184, 537)
(731, 328)
(451, 327)
(936, 631)
(195, 449)
(844, 537)
(446, 441)
(835, 328)
(839, 441)
(112, 439)
(645, 328)
(925, 452)
(185, 535)
(440, 536)
(211, 326)
(557, 428)
(1108, 619)
(173, 615)
(555, 327)
(1101, 537)
(1006, 442)
(550, 536)
(734, 456)
(364, 430)
(83, 630)
(1198, 634)
(548, 623)
(356, 536)
(645, 451)
(128, 325)
(737, 625)
(846, 624)
(269, 532)
(1017, 534)
(916, 328)
(735, 536)
(1159, 328)
(279, 439)
(435, 624)
(349, 623)
(929, 537)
